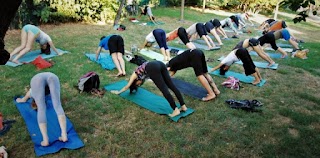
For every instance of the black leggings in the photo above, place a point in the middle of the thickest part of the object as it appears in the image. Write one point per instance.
(201, 29)
(248, 65)
(160, 37)
(116, 44)
(160, 76)
(182, 33)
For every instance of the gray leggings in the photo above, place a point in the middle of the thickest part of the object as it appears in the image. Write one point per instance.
(38, 83)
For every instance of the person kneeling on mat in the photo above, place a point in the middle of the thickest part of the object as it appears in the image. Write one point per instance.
(160, 36)
(248, 65)
(115, 44)
(37, 92)
(182, 34)
(159, 74)
(254, 44)
(195, 59)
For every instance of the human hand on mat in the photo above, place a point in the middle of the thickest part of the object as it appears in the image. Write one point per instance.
(115, 92)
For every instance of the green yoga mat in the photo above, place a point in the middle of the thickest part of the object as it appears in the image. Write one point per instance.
(152, 54)
(148, 100)
(242, 77)
(150, 23)
(257, 64)
(272, 55)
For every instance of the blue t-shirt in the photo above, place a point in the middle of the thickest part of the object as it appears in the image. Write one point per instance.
(104, 42)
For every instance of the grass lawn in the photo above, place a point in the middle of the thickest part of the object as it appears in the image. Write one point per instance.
(288, 126)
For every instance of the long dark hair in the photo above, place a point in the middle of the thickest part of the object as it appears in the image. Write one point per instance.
(102, 38)
(134, 87)
(46, 50)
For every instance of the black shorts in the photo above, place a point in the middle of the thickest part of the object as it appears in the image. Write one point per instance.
(209, 26)
(248, 65)
(201, 30)
(216, 23)
(198, 62)
(183, 35)
(116, 44)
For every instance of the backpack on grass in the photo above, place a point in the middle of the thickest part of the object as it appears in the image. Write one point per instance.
(232, 83)
(89, 82)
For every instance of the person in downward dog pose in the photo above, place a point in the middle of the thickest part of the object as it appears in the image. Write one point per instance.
(198, 29)
(115, 44)
(248, 65)
(195, 59)
(158, 73)
(182, 34)
(38, 83)
(29, 34)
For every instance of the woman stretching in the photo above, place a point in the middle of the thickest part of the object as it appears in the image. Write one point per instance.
(160, 36)
(213, 26)
(255, 45)
(182, 34)
(195, 59)
(198, 29)
(115, 44)
(37, 92)
(158, 73)
(248, 65)
(29, 34)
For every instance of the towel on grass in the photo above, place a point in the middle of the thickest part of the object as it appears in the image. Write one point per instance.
(257, 64)
(30, 117)
(105, 60)
(241, 77)
(148, 100)
(30, 56)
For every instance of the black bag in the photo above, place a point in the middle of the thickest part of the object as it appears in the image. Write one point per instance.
(4, 56)
(174, 51)
(139, 60)
(88, 82)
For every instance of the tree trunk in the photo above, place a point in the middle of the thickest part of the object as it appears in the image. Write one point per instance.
(118, 16)
(182, 11)
(203, 6)
(277, 10)
(8, 9)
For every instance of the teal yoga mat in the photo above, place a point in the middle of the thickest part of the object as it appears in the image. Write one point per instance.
(181, 50)
(150, 23)
(257, 64)
(30, 56)
(200, 41)
(148, 100)
(272, 55)
(152, 54)
(241, 77)
(105, 60)
(284, 45)
(285, 49)
(204, 47)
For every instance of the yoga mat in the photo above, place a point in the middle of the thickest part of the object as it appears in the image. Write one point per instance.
(30, 117)
(30, 56)
(181, 50)
(241, 77)
(105, 60)
(204, 47)
(148, 100)
(284, 45)
(272, 55)
(150, 23)
(257, 64)
(285, 49)
(189, 89)
(151, 54)
(200, 41)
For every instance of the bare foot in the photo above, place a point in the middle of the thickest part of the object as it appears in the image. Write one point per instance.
(208, 97)
(20, 100)
(216, 91)
(183, 108)
(175, 112)
(284, 56)
(270, 64)
(45, 143)
(15, 61)
(63, 138)
(255, 82)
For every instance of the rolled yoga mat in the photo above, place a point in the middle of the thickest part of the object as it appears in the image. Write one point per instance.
(148, 100)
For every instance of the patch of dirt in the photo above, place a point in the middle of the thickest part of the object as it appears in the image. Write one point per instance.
(293, 132)
(281, 120)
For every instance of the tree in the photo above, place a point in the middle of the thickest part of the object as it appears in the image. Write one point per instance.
(182, 11)
(118, 16)
(294, 5)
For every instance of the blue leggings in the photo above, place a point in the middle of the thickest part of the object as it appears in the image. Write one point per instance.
(160, 37)
(38, 84)
(31, 28)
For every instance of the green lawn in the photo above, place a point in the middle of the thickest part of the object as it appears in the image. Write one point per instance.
(114, 127)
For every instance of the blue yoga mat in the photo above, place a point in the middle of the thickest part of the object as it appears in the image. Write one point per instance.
(30, 56)
(105, 60)
(284, 45)
(272, 55)
(204, 47)
(190, 89)
(241, 77)
(148, 100)
(30, 117)
(257, 64)
(152, 54)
